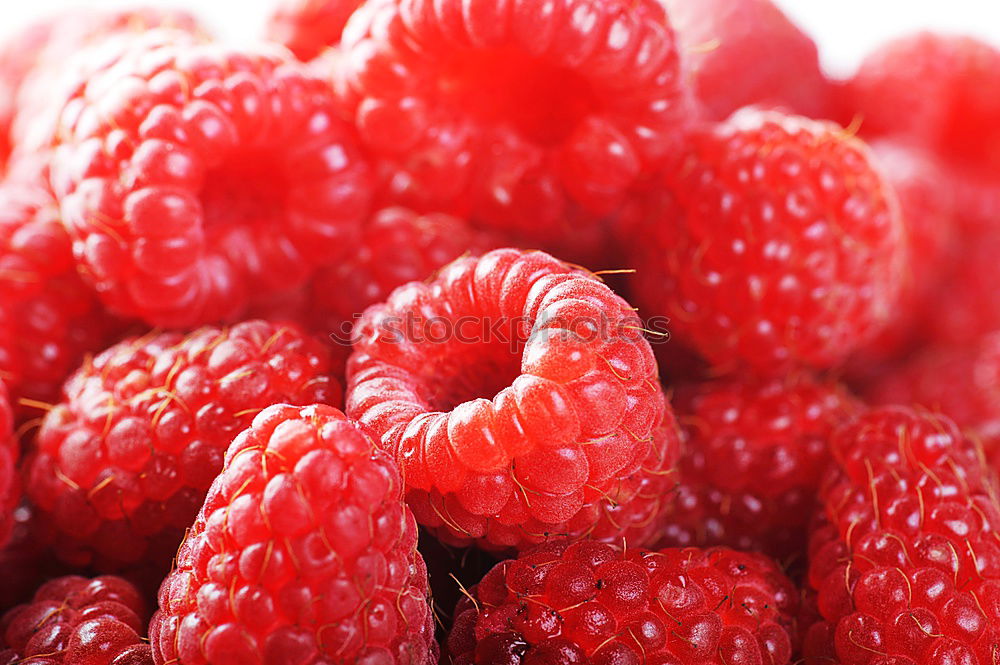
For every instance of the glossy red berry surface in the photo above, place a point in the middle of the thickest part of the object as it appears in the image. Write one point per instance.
(49, 318)
(962, 382)
(77, 621)
(10, 485)
(754, 453)
(304, 552)
(194, 178)
(949, 86)
(780, 244)
(594, 604)
(309, 27)
(905, 559)
(534, 118)
(121, 465)
(520, 399)
(748, 52)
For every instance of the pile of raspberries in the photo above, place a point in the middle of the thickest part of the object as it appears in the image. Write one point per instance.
(497, 332)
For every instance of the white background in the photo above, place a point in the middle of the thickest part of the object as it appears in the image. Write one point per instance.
(844, 29)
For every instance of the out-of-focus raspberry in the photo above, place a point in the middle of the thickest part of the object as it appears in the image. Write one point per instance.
(196, 179)
(303, 552)
(779, 244)
(754, 453)
(940, 92)
(121, 465)
(10, 485)
(742, 52)
(309, 27)
(533, 119)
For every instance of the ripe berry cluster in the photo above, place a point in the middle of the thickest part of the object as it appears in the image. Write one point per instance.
(476, 332)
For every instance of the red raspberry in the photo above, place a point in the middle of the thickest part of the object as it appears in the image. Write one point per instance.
(594, 604)
(10, 487)
(304, 552)
(748, 52)
(906, 559)
(77, 621)
(195, 179)
(309, 27)
(532, 118)
(520, 400)
(122, 464)
(26, 560)
(781, 244)
(962, 382)
(39, 50)
(48, 317)
(949, 87)
(754, 453)
(928, 213)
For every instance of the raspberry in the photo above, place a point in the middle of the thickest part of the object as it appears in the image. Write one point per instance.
(10, 487)
(309, 27)
(122, 464)
(594, 604)
(48, 317)
(905, 559)
(748, 52)
(520, 400)
(962, 382)
(77, 621)
(754, 454)
(780, 246)
(26, 560)
(304, 552)
(928, 212)
(35, 52)
(533, 119)
(194, 179)
(949, 87)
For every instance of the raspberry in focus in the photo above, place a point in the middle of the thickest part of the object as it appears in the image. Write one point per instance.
(121, 465)
(595, 604)
(521, 401)
(73, 620)
(195, 179)
(781, 244)
(533, 119)
(905, 555)
(754, 453)
(303, 552)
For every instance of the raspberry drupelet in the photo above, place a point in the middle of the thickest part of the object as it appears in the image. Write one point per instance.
(754, 454)
(905, 556)
(962, 382)
(521, 401)
(195, 179)
(748, 52)
(593, 604)
(77, 621)
(10, 485)
(49, 318)
(121, 465)
(304, 552)
(780, 244)
(532, 118)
